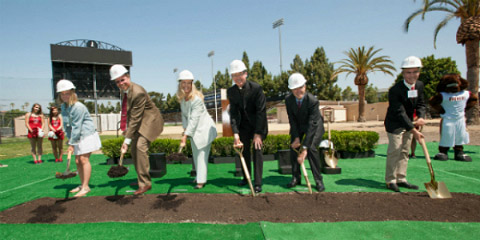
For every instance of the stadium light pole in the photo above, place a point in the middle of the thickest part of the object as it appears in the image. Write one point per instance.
(277, 24)
(210, 55)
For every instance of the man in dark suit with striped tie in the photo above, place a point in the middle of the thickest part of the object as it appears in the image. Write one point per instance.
(306, 123)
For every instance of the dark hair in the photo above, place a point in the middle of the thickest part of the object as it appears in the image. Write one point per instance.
(51, 114)
(39, 106)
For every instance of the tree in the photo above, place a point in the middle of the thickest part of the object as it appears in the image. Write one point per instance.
(468, 34)
(223, 80)
(371, 95)
(348, 94)
(246, 61)
(431, 72)
(157, 99)
(361, 62)
(172, 103)
(12, 105)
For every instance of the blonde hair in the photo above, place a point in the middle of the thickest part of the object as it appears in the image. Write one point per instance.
(73, 98)
(182, 96)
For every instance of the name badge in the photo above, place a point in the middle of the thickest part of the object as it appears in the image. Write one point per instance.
(412, 94)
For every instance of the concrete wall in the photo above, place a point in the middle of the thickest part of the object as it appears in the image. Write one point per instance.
(339, 113)
(373, 111)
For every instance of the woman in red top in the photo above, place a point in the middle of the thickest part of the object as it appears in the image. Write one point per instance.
(56, 134)
(34, 123)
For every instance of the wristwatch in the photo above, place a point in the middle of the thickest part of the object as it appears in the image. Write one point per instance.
(304, 148)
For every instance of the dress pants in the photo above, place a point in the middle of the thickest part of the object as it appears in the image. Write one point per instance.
(200, 159)
(141, 161)
(397, 156)
(246, 137)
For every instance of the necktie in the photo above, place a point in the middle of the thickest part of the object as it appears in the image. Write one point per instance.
(414, 110)
(299, 104)
(123, 119)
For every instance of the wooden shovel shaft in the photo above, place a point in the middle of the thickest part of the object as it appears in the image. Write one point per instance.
(429, 161)
(245, 170)
(304, 170)
(120, 162)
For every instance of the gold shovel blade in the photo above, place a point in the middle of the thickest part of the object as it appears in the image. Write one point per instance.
(441, 191)
(331, 160)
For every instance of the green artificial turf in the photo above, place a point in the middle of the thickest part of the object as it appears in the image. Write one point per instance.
(23, 181)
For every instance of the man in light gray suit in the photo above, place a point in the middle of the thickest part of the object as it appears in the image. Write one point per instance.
(144, 124)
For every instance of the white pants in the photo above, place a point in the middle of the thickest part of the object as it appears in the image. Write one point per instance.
(200, 159)
(454, 132)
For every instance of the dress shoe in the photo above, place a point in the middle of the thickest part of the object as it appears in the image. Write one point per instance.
(393, 187)
(407, 185)
(320, 187)
(243, 182)
(294, 183)
(142, 190)
(257, 189)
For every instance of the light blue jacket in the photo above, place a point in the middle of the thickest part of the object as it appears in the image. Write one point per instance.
(77, 122)
(197, 122)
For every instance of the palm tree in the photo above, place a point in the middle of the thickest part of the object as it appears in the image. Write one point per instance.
(361, 62)
(468, 34)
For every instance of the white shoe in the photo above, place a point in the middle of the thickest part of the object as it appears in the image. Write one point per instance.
(82, 193)
(77, 189)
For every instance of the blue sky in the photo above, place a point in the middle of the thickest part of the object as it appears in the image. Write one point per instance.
(164, 35)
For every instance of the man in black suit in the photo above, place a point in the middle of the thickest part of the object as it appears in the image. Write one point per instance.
(404, 98)
(305, 122)
(248, 117)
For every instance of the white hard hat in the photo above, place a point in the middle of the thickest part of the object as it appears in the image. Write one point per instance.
(64, 85)
(237, 66)
(326, 144)
(117, 71)
(185, 75)
(412, 62)
(296, 80)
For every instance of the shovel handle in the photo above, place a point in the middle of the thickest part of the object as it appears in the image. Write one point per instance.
(120, 162)
(429, 161)
(180, 149)
(304, 171)
(69, 157)
(245, 168)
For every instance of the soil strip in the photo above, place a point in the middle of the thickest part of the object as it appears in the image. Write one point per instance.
(240, 209)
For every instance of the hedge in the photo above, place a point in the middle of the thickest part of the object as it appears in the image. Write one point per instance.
(348, 141)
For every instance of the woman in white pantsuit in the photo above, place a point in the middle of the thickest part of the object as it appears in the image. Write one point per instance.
(197, 124)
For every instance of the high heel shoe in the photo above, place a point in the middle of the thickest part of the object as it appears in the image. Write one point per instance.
(199, 186)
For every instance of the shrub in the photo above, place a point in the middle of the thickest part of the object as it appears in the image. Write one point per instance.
(349, 141)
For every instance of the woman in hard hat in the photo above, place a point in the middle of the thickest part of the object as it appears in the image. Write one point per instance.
(197, 125)
(34, 123)
(82, 137)
(56, 134)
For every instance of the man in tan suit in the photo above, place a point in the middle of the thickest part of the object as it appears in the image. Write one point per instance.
(144, 124)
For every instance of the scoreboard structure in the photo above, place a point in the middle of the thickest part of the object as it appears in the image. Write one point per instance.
(87, 63)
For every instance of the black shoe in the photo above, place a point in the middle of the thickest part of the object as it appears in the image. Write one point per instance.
(320, 187)
(441, 157)
(460, 156)
(407, 185)
(258, 189)
(412, 156)
(243, 182)
(294, 183)
(393, 187)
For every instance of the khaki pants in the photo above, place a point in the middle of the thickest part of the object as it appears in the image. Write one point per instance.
(141, 161)
(397, 156)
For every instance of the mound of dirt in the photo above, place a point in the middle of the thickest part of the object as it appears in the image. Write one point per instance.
(240, 209)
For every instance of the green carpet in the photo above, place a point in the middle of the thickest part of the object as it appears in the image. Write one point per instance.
(23, 181)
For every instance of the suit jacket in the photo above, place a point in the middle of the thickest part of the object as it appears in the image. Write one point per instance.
(197, 122)
(248, 112)
(305, 120)
(400, 110)
(142, 114)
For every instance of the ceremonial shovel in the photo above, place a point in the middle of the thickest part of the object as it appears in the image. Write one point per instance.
(304, 171)
(329, 155)
(120, 170)
(244, 166)
(435, 189)
(67, 173)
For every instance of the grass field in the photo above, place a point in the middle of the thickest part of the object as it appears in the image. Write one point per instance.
(23, 181)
